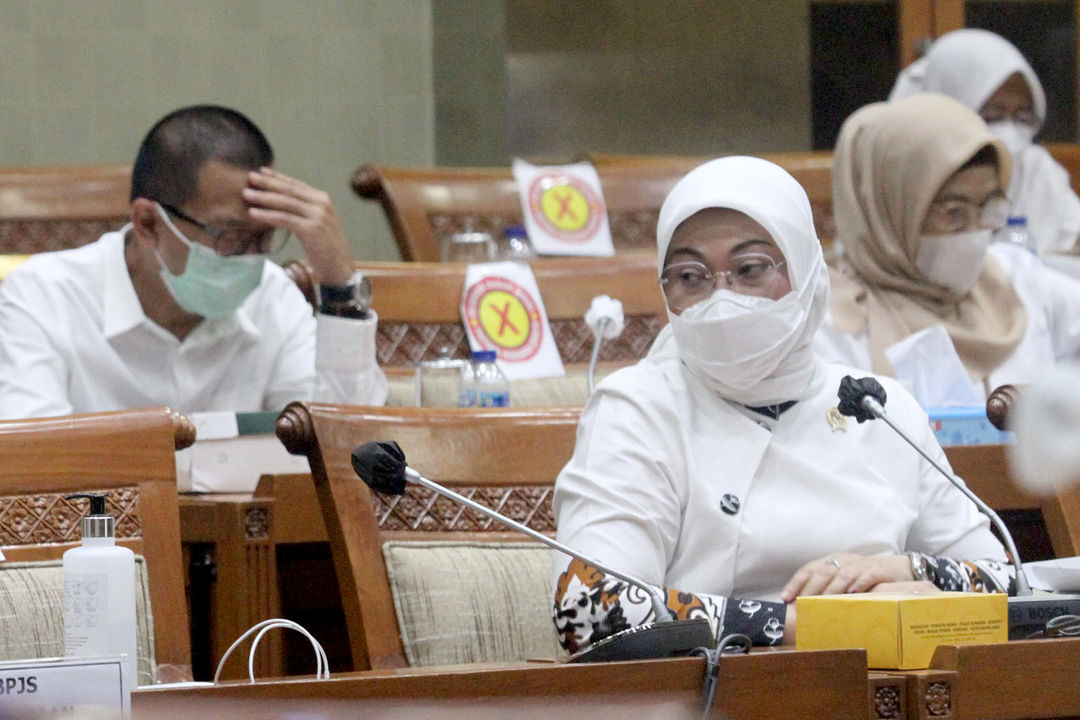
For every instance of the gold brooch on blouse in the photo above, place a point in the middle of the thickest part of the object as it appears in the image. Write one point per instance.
(836, 420)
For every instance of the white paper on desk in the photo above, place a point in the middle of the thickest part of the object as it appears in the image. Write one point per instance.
(222, 460)
(502, 310)
(564, 209)
(927, 363)
(1059, 575)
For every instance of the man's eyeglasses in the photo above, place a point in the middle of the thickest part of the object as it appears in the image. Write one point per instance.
(231, 241)
(688, 282)
(956, 215)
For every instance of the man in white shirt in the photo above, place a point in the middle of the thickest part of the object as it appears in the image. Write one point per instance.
(181, 307)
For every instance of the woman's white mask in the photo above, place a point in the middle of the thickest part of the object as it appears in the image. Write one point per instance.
(738, 340)
(953, 260)
(1017, 136)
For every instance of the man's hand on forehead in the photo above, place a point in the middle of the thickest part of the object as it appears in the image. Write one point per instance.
(276, 199)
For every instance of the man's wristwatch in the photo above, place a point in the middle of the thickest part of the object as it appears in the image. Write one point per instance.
(351, 300)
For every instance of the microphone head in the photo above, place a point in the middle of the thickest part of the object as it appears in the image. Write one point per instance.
(852, 392)
(381, 465)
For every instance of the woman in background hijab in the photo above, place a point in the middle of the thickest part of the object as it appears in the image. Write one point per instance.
(988, 74)
(719, 467)
(918, 186)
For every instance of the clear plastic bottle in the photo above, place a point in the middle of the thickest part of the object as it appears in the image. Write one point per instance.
(492, 387)
(467, 385)
(1016, 232)
(515, 244)
(99, 593)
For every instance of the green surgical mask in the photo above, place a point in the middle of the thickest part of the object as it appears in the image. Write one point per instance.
(211, 285)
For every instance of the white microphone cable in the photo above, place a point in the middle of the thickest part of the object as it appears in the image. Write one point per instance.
(322, 665)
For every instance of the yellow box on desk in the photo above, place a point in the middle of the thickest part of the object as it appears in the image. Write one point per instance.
(900, 631)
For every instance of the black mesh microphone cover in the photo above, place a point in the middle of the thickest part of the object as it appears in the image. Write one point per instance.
(852, 391)
(382, 466)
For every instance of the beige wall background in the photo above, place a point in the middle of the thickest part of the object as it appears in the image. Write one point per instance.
(333, 83)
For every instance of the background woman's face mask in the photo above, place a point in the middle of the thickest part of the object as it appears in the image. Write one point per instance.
(953, 260)
(1017, 136)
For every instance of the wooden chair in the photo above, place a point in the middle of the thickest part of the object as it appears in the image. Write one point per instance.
(419, 305)
(813, 170)
(423, 204)
(1068, 154)
(506, 459)
(129, 454)
(55, 208)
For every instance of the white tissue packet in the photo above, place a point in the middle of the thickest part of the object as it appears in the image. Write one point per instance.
(926, 362)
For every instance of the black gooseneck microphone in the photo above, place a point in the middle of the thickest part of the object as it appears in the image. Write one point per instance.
(382, 466)
(865, 400)
(1029, 615)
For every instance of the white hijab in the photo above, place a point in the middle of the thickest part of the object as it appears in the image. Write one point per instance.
(773, 360)
(969, 65)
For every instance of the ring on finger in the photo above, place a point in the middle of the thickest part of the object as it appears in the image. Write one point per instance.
(831, 560)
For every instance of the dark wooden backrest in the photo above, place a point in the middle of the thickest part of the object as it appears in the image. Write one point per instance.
(55, 208)
(129, 454)
(509, 458)
(418, 304)
(423, 204)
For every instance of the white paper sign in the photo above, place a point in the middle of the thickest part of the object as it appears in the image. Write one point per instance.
(502, 311)
(64, 688)
(564, 209)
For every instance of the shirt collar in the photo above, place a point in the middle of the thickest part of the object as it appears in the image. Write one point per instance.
(123, 311)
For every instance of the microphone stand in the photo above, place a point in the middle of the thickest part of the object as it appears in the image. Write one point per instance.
(660, 610)
(597, 342)
(1023, 589)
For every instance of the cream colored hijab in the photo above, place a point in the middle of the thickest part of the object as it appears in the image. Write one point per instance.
(891, 160)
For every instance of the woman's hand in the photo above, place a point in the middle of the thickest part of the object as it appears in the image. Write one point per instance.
(847, 573)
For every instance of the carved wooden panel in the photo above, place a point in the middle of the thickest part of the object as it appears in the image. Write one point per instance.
(629, 230)
(887, 701)
(938, 699)
(37, 519)
(408, 343)
(25, 237)
(425, 510)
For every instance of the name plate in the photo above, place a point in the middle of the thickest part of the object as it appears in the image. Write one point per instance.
(64, 688)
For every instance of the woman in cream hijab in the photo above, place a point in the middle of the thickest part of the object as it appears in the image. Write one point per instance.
(719, 468)
(918, 188)
(988, 74)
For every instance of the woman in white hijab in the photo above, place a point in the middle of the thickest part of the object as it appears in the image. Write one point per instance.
(988, 74)
(719, 467)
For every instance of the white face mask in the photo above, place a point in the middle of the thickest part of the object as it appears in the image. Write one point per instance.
(953, 260)
(1017, 136)
(736, 341)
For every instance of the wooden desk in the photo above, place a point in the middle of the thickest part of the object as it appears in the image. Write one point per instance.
(781, 684)
(1021, 679)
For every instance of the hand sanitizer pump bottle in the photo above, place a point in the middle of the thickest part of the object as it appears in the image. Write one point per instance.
(99, 593)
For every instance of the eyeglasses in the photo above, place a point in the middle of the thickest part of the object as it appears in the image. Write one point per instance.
(689, 282)
(231, 241)
(1024, 117)
(955, 215)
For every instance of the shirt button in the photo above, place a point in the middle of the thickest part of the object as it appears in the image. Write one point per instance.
(729, 504)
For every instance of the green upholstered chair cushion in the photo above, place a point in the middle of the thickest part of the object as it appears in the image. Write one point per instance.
(32, 613)
(466, 602)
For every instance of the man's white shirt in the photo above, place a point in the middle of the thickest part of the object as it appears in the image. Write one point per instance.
(76, 340)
